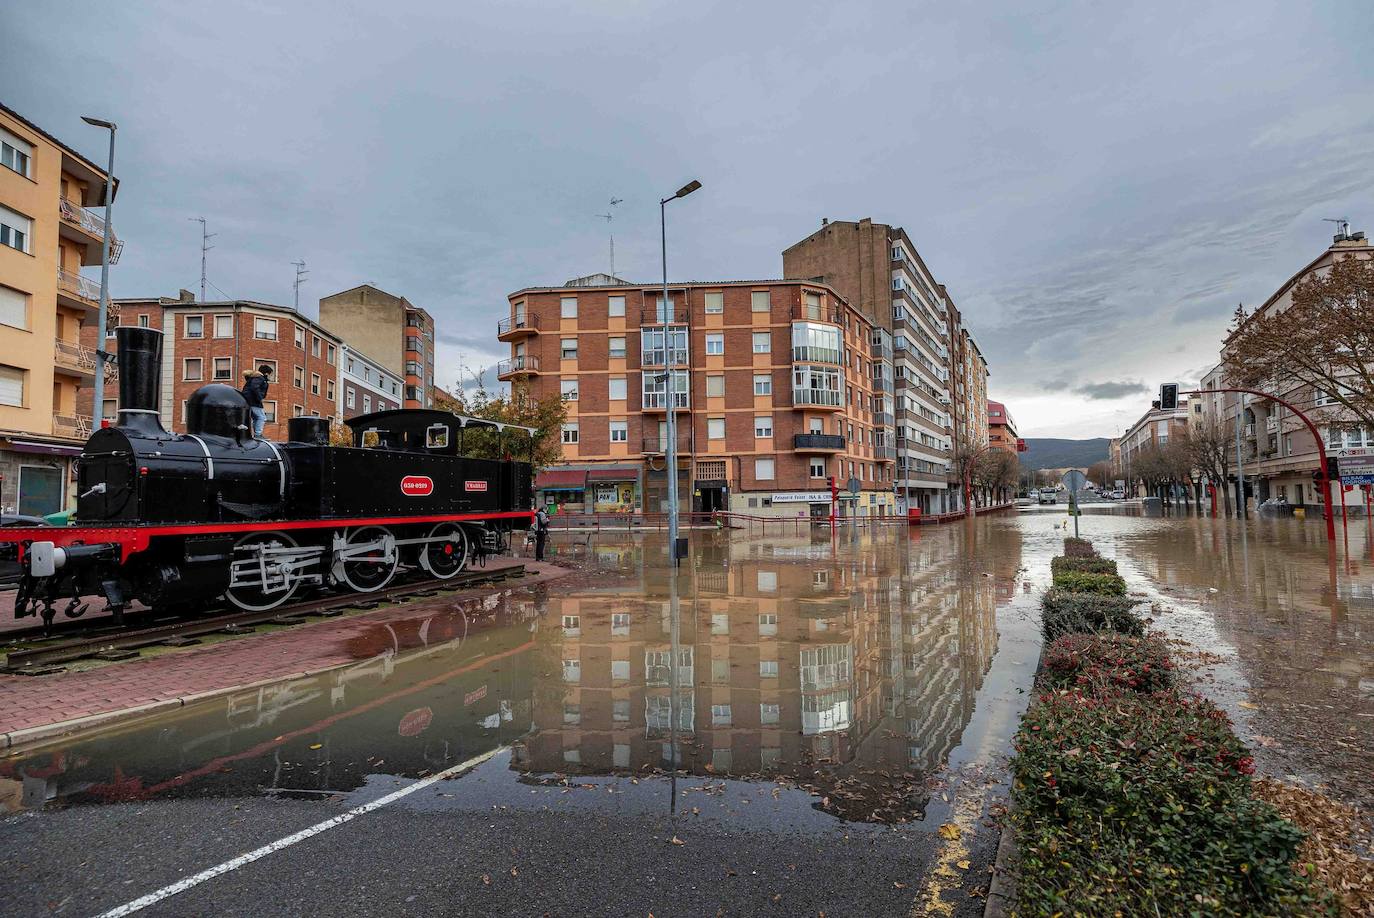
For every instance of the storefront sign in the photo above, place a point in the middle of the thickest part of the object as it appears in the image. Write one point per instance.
(803, 497)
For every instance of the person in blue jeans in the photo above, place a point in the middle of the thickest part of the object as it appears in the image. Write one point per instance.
(254, 391)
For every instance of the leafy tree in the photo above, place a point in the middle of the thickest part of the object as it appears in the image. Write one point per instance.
(545, 414)
(1323, 342)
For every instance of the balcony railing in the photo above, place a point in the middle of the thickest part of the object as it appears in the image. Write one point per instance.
(816, 314)
(72, 356)
(806, 354)
(92, 223)
(516, 325)
(75, 425)
(885, 453)
(882, 384)
(654, 444)
(883, 418)
(658, 401)
(818, 442)
(822, 397)
(652, 315)
(76, 285)
(517, 366)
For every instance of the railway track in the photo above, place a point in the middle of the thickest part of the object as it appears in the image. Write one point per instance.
(115, 644)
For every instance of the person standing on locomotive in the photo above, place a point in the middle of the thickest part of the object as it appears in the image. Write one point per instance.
(254, 391)
(541, 532)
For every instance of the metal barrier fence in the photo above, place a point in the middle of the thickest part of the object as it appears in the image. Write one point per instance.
(622, 521)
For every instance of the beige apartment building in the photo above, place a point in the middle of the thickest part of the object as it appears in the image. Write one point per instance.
(939, 375)
(396, 332)
(773, 383)
(49, 232)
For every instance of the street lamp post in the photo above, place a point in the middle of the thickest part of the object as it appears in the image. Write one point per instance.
(98, 387)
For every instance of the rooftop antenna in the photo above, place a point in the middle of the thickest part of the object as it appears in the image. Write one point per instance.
(205, 246)
(1342, 226)
(300, 279)
(608, 217)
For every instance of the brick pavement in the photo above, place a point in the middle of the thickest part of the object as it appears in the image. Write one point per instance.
(34, 707)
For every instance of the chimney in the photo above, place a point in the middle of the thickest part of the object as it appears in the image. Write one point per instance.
(185, 296)
(825, 221)
(140, 378)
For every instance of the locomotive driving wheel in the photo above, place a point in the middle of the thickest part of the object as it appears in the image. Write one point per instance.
(445, 558)
(367, 559)
(263, 573)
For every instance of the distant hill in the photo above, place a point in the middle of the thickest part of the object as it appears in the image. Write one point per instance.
(1054, 453)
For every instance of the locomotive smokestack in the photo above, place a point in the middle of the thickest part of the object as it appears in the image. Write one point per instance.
(140, 378)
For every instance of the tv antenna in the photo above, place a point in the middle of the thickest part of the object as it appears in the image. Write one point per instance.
(205, 246)
(1342, 226)
(608, 217)
(300, 279)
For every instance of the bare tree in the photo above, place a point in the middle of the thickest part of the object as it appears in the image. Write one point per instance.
(1101, 474)
(1210, 443)
(1323, 342)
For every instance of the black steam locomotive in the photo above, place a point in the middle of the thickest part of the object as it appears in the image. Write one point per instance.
(176, 520)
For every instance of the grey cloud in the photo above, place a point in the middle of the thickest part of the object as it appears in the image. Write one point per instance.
(1105, 391)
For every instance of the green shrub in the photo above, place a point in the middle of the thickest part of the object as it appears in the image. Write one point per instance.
(1139, 804)
(1093, 565)
(1100, 662)
(1082, 582)
(1079, 548)
(1062, 612)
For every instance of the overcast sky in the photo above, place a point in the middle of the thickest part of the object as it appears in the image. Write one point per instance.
(1098, 185)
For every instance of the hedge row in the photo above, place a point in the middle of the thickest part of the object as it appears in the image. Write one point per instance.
(1132, 796)
(1092, 565)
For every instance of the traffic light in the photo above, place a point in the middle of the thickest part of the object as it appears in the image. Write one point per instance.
(1332, 468)
(1168, 396)
(830, 483)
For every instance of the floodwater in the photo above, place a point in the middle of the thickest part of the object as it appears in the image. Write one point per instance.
(816, 681)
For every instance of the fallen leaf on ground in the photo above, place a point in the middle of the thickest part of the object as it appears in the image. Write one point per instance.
(949, 831)
(678, 841)
(1249, 707)
(317, 745)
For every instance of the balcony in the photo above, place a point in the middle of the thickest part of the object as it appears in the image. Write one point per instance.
(75, 290)
(652, 315)
(818, 443)
(885, 453)
(808, 354)
(73, 358)
(515, 327)
(658, 402)
(883, 418)
(663, 357)
(518, 367)
(77, 426)
(815, 398)
(882, 384)
(1271, 424)
(86, 228)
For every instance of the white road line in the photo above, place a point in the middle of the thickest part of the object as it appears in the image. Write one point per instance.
(182, 885)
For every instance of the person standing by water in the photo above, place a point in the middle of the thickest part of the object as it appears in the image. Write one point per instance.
(541, 532)
(254, 391)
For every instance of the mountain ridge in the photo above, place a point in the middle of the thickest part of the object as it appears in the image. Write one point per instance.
(1060, 452)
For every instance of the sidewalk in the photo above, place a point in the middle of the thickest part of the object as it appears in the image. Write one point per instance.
(38, 707)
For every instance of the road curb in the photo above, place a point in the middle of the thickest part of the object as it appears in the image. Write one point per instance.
(1002, 890)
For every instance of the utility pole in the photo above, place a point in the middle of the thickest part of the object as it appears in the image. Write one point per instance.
(608, 217)
(1241, 508)
(205, 246)
(300, 279)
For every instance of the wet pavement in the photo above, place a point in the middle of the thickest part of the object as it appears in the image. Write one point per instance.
(841, 723)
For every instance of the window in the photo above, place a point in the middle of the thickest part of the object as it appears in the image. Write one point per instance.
(769, 714)
(264, 329)
(620, 670)
(572, 670)
(768, 669)
(298, 411)
(300, 337)
(620, 623)
(620, 431)
(715, 385)
(768, 581)
(720, 715)
(270, 409)
(224, 368)
(315, 345)
(715, 428)
(813, 305)
(763, 342)
(568, 307)
(194, 326)
(572, 625)
(715, 302)
(567, 388)
(656, 391)
(224, 326)
(15, 153)
(12, 386)
(715, 344)
(720, 623)
(620, 710)
(768, 624)
(617, 349)
(570, 432)
(193, 369)
(763, 426)
(329, 389)
(16, 230)
(720, 670)
(568, 349)
(763, 469)
(298, 377)
(14, 308)
(367, 403)
(760, 301)
(615, 306)
(812, 341)
(617, 390)
(314, 383)
(663, 346)
(329, 354)
(817, 468)
(763, 384)
(111, 408)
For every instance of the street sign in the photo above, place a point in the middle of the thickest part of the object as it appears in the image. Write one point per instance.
(1074, 481)
(1356, 465)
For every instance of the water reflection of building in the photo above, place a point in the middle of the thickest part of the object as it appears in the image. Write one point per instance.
(788, 657)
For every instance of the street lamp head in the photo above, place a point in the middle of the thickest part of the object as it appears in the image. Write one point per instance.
(687, 189)
(96, 122)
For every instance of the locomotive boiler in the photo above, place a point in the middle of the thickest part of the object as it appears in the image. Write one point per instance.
(174, 520)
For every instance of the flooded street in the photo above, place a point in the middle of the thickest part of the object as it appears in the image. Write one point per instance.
(860, 692)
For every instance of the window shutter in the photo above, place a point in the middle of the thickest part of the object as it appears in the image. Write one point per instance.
(14, 308)
(11, 386)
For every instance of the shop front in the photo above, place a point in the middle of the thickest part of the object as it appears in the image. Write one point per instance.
(37, 478)
(614, 489)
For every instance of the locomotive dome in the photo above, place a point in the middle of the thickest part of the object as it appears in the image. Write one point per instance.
(216, 409)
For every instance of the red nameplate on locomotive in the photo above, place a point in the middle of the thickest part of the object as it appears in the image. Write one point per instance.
(474, 486)
(417, 485)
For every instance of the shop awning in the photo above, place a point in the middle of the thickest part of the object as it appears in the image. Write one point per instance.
(614, 473)
(44, 449)
(561, 480)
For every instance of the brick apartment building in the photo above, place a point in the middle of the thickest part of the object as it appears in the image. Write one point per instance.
(50, 230)
(940, 377)
(313, 371)
(1001, 428)
(390, 328)
(774, 388)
